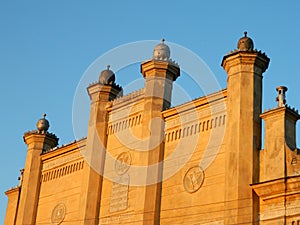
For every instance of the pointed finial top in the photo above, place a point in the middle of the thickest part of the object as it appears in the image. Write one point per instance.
(44, 115)
(245, 33)
(163, 40)
(108, 66)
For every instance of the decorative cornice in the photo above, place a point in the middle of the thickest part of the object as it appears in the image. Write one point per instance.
(245, 57)
(62, 170)
(121, 125)
(174, 70)
(277, 111)
(128, 97)
(108, 92)
(97, 83)
(37, 132)
(125, 100)
(13, 190)
(185, 130)
(277, 188)
(238, 51)
(46, 137)
(53, 152)
(198, 102)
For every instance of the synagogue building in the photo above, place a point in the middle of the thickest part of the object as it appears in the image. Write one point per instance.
(146, 162)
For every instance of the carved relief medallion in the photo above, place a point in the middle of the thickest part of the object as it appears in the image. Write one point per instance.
(193, 179)
(58, 214)
(122, 163)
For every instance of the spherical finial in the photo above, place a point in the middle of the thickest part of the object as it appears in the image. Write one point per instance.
(107, 76)
(43, 125)
(245, 43)
(161, 51)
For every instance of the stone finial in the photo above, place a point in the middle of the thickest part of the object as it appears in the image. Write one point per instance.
(107, 76)
(161, 51)
(43, 125)
(281, 96)
(245, 43)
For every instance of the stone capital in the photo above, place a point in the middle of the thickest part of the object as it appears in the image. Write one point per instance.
(284, 112)
(35, 140)
(238, 58)
(280, 124)
(105, 92)
(158, 68)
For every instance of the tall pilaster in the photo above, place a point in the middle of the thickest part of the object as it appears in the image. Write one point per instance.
(244, 67)
(159, 73)
(100, 94)
(37, 142)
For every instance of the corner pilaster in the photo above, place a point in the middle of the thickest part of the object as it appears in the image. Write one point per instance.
(280, 152)
(37, 143)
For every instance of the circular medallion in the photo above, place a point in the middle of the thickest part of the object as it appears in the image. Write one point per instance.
(193, 179)
(58, 214)
(122, 163)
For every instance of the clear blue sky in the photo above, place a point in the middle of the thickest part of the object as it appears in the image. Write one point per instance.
(45, 47)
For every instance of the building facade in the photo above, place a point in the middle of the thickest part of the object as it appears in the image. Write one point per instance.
(145, 162)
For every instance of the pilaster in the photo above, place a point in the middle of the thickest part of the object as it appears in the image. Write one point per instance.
(280, 142)
(159, 77)
(94, 154)
(37, 143)
(13, 196)
(243, 133)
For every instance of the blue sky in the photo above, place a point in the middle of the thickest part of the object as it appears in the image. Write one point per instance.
(46, 46)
